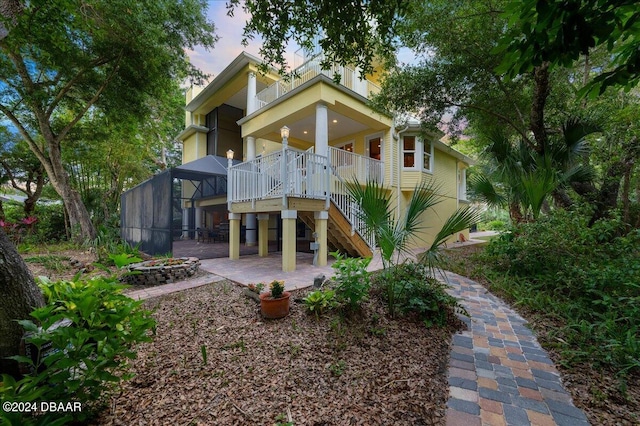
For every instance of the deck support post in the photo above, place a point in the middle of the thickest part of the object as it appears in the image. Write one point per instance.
(234, 235)
(263, 234)
(289, 240)
(321, 222)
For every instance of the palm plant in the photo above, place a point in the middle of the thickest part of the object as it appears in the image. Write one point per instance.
(521, 178)
(394, 231)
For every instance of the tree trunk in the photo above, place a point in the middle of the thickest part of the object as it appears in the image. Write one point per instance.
(9, 9)
(608, 195)
(79, 219)
(561, 198)
(540, 95)
(19, 295)
(82, 228)
(515, 213)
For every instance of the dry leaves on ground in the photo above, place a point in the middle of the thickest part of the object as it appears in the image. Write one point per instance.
(363, 370)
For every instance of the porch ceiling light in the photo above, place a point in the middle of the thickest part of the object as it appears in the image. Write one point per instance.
(284, 132)
(230, 154)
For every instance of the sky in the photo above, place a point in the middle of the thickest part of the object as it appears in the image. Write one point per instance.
(229, 45)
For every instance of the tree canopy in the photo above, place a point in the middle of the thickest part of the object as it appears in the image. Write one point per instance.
(61, 59)
(559, 31)
(349, 32)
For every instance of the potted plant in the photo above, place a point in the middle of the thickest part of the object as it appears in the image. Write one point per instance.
(275, 303)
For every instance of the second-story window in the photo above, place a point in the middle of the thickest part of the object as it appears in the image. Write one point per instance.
(427, 156)
(417, 154)
(409, 152)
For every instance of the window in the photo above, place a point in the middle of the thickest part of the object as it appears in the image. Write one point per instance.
(409, 152)
(375, 151)
(462, 184)
(427, 157)
(347, 147)
(416, 154)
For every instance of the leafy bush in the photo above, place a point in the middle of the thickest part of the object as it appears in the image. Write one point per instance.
(409, 289)
(88, 356)
(108, 244)
(50, 225)
(320, 301)
(495, 225)
(352, 279)
(589, 277)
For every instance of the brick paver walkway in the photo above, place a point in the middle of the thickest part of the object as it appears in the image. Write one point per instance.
(498, 372)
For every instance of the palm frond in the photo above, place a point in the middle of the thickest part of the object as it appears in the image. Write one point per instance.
(481, 188)
(460, 220)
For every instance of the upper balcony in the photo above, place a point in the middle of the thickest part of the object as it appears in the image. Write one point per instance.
(349, 78)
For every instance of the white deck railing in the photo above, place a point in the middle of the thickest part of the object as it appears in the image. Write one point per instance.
(280, 174)
(303, 174)
(350, 166)
(349, 78)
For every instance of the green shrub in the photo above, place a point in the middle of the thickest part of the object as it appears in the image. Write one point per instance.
(320, 301)
(88, 357)
(108, 244)
(588, 277)
(49, 228)
(409, 289)
(352, 279)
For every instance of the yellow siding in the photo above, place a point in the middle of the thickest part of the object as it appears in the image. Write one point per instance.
(194, 147)
(444, 175)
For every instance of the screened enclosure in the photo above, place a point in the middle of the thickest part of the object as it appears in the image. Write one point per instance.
(162, 209)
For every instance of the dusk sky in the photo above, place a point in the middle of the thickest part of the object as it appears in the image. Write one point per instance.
(228, 46)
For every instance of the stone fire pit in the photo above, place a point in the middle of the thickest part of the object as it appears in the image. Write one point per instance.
(162, 271)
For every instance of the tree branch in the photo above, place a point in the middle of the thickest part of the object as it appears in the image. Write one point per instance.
(90, 103)
(23, 132)
(69, 85)
(504, 118)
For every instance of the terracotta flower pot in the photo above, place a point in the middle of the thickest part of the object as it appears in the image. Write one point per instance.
(274, 308)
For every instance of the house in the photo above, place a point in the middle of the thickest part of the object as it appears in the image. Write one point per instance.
(300, 139)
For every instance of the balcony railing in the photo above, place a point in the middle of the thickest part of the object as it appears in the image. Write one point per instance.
(349, 78)
(278, 175)
(294, 173)
(350, 166)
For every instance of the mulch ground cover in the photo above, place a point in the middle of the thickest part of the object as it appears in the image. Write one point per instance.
(215, 360)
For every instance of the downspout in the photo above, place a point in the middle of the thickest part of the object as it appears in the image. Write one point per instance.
(399, 164)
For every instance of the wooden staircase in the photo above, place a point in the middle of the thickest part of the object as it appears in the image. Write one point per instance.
(339, 234)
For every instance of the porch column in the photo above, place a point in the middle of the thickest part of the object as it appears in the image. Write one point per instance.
(198, 217)
(250, 219)
(185, 223)
(234, 235)
(289, 240)
(322, 130)
(263, 234)
(251, 92)
(322, 220)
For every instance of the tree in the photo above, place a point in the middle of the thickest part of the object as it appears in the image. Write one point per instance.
(558, 32)
(62, 59)
(19, 295)
(521, 179)
(351, 32)
(23, 171)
